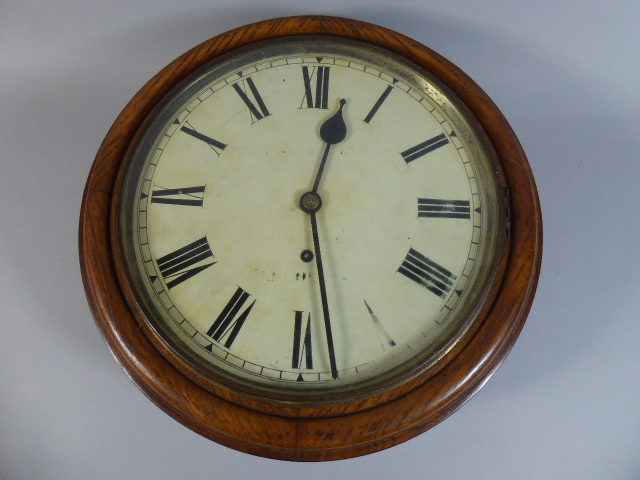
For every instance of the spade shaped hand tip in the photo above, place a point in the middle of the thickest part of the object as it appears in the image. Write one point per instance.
(334, 130)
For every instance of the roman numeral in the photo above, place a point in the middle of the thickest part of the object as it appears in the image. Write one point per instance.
(301, 346)
(230, 321)
(427, 273)
(189, 196)
(321, 88)
(258, 109)
(378, 104)
(434, 208)
(425, 147)
(214, 144)
(178, 266)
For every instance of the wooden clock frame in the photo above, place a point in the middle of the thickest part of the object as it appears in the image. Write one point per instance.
(313, 433)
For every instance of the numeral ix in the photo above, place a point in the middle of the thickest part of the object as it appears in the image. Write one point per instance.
(188, 196)
(178, 266)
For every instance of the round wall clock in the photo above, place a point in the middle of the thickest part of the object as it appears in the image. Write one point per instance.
(310, 238)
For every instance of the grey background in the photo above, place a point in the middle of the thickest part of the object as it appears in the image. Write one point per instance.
(566, 402)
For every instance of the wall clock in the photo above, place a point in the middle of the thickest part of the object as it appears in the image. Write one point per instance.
(310, 238)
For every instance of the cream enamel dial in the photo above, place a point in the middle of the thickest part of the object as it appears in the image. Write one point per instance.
(309, 217)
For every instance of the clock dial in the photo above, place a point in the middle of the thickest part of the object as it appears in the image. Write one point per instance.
(311, 218)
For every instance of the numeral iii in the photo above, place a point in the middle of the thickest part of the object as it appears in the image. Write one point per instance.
(434, 208)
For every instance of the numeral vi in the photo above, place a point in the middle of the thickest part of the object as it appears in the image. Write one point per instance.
(302, 342)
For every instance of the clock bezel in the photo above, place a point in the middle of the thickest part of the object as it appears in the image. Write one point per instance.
(317, 432)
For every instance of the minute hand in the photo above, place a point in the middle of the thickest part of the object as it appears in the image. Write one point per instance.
(332, 131)
(323, 295)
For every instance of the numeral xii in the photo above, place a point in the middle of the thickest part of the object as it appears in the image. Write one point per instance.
(320, 98)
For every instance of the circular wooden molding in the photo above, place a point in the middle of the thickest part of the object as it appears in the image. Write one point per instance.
(311, 434)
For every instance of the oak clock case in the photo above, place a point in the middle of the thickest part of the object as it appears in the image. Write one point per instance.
(299, 236)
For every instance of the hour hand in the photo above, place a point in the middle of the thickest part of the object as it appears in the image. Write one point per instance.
(332, 131)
